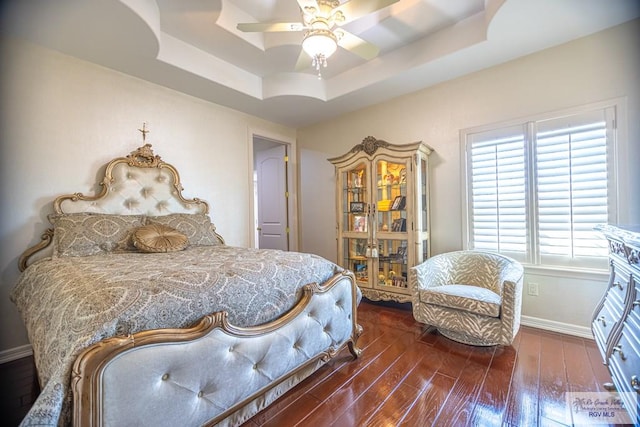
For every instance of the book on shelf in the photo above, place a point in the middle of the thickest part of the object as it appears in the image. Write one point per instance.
(399, 224)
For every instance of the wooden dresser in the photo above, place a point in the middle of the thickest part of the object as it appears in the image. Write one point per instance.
(616, 319)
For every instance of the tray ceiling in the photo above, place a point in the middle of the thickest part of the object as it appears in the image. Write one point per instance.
(193, 46)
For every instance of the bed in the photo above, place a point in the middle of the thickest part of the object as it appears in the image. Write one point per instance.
(139, 313)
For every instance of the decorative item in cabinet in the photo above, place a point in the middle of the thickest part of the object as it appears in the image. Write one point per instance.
(616, 319)
(383, 221)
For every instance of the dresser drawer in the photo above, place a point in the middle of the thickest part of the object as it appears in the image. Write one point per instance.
(624, 364)
(632, 322)
(625, 355)
(619, 283)
(605, 322)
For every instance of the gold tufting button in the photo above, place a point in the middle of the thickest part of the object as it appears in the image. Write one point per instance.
(165, 377)
(200, 394)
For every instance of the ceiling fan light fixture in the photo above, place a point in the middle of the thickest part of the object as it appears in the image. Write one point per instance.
(319, 44)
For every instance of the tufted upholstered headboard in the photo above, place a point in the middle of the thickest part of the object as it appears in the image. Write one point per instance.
(138, 184)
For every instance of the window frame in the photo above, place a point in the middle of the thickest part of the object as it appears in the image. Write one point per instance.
(616, 148)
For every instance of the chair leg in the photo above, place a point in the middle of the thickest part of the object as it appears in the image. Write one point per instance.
(427, 329)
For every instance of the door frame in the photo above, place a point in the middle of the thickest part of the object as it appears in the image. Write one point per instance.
(292, 179)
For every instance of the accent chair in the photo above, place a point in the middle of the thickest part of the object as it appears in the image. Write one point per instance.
(472, 297)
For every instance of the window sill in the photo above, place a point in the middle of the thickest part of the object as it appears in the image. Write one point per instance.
(567, 272)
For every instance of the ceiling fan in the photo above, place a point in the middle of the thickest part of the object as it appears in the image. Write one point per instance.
(321, 20)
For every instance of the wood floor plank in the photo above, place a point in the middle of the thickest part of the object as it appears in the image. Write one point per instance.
(579, 373)
(348, 371)
(336, 402)
(293, 414)
(373, 399)
(427, 406)
(522, 406)
(456, 356)
(395, 407)
(426, 368)
(598, 367)
(492, 398)
(461, 402)
(553, 380)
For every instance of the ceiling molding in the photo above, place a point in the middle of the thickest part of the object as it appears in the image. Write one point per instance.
(193, 46)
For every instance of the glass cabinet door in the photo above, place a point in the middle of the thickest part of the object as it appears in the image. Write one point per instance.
(355, 259)
(391, 196)
(355, 198)
(391, 224)
(392, 264)
(422, 220)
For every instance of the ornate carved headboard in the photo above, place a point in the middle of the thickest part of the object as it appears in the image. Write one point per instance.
(138, 184)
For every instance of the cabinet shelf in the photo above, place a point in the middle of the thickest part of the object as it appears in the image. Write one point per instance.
(392, 186)
(403, 286)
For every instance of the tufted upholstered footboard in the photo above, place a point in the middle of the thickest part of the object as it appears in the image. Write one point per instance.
(213, 373)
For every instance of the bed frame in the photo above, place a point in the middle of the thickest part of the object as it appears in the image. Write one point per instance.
(139, 379)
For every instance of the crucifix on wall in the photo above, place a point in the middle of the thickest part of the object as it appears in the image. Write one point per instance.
(144, 131)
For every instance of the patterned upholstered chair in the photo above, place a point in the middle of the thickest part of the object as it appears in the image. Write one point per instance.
(469, 296)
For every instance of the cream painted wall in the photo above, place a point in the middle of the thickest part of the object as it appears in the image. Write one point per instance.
(318, 184)
(62, 119)
(599, 67)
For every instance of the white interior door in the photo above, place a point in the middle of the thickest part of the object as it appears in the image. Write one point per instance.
(271, 171)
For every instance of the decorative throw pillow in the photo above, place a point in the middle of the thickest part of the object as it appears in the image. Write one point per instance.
(159, 238)
(197, 227)
(84, 234)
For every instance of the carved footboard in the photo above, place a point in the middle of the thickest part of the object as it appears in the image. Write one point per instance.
(214, 372)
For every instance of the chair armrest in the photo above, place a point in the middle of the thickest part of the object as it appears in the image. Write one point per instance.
(512, 299)
(425, 275)
(513, 273)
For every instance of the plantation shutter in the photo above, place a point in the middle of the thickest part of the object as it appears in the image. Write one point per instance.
(537, 190)
(571, 188)
(497, 171)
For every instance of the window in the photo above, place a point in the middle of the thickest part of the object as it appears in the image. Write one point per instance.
(537, 188)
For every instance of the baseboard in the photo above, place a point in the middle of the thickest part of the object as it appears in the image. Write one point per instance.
(15, 353)
(562, 328)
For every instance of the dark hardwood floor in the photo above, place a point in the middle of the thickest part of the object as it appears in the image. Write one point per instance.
(409, 377)
(18, 389)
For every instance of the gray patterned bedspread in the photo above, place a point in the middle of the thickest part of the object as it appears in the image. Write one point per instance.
(70, 303)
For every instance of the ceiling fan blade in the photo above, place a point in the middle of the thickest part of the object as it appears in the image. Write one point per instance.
(304, 61)
(354, 9)
(355, 44)
(253, 27)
